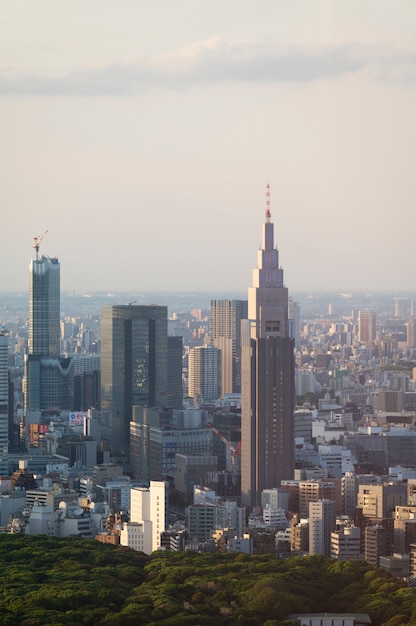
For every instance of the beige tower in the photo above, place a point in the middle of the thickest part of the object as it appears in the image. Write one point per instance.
(267, 377)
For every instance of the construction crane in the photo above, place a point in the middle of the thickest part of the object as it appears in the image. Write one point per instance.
(36, 243)
(235, 452)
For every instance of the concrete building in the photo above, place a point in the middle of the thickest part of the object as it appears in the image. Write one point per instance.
(148, 511)
(202, 520)
(192, 470)
(268, 390)
(345, 544)
(379, 501)
(299, 536)
(204, 374)
(367, 326)
(225, 333)
(175, 390)
(404, 528)
(157, 435)
(322, 522)
(315, 490)
(134, 351)
(375, 544)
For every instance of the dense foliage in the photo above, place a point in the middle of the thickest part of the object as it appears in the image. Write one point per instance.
(75, 581)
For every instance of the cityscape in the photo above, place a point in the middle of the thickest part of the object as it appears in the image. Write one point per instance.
(279, 423)
(208, 313)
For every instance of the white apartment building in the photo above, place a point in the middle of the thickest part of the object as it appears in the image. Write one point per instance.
(147, 518)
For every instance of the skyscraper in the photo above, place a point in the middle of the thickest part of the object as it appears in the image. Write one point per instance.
(267, 378)
(48, 377)
(225, 332)
(367, 325)
(134, 349)
(204, 374)
(44, 307)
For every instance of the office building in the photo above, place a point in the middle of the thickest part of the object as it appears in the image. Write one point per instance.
(375, 544)
(134, 348)
(294, 321)
(44, 307)
(267, 378)
(174, 373)
(322, 523)
(157, 435)
(225, 333)
(315, 490)
(366, 326)
(204, 374)
(379, 501)
(345, 544)
(48, 377)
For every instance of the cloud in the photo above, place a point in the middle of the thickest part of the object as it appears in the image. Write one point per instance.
(216, 61)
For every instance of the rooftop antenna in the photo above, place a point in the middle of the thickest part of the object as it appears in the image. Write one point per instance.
(36, 243)
(268, 214)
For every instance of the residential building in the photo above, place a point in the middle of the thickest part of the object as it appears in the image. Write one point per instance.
(174, 373)
(322, 522)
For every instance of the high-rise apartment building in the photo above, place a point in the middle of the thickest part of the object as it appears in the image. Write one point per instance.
(322, 523)
(267, 378)
(48, 377)
(148, 508)
(225, 333)
(134, 348)
(204, 374)
(367, 325)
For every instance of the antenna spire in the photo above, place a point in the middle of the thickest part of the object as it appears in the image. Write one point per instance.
(268, 214)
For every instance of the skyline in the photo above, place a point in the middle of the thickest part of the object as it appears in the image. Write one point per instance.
(143, 138)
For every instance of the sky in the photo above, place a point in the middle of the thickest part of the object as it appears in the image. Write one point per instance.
(141, 135)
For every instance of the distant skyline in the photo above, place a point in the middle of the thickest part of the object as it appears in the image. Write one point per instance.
(142, 135)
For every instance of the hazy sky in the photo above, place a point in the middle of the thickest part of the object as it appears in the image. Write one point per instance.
(142, 134)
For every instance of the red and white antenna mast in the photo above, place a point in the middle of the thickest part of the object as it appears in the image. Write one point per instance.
(268, 214)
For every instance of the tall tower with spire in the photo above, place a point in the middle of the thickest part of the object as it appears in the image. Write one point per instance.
(267, 377)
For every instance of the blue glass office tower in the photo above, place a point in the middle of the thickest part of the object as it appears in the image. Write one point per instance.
(134, 358)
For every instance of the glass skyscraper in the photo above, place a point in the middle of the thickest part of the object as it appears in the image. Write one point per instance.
(134, 356)
(49, 379)
(44, 307)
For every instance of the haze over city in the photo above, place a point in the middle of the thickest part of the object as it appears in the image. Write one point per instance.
(142, 135)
